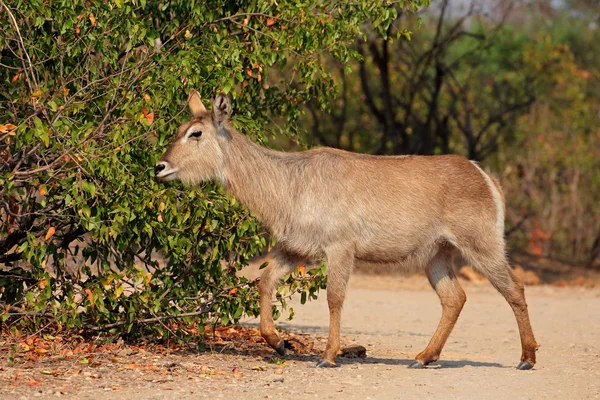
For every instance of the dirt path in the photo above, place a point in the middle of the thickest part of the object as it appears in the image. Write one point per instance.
(394, 324)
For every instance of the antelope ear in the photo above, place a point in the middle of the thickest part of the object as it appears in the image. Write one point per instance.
(221, 109)
(195, 103)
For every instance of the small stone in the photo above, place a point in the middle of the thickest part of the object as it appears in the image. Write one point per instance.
(278, 379)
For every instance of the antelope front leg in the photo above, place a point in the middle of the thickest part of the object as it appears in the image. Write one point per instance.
(277, 268)
(339, 268)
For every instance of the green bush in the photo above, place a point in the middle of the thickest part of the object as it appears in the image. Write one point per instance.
(91, 93)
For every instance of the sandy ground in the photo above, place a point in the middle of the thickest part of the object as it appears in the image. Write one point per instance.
(393, 317)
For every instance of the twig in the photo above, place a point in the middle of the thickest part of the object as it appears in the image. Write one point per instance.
(247, 15)
(204, 310)
(519, 224)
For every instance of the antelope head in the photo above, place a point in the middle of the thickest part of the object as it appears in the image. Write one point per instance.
(196, 154)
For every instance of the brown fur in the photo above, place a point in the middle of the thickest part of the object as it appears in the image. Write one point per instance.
(328, 204)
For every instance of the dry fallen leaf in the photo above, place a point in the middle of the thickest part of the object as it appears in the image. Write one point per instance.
(7, 128)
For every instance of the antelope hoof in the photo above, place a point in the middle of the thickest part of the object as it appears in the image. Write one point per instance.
(417, 365)
(525, 365)
(326, 364)
(280, 349)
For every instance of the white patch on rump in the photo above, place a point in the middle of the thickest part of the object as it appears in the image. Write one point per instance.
(497, 200)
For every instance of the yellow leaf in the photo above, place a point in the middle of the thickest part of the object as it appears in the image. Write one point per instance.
(43, 190)
(50, 232)
(233, 291)
(119, 291)
(108, 282)
(65, 91)
(301, 271)
(146, 97)
(77, 30)
(36, 94)
(162, 206)
(150, 118)
(43, 284)
(16, 77)
(90, 296)
(93, 19)
(187, 34)
(159, 218)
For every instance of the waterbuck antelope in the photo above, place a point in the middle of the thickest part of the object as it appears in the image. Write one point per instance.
(333, 205)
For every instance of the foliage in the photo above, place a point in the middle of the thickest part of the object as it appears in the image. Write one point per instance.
(91, 92)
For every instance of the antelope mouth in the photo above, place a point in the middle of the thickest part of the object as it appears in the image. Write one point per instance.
(164, 172)
(166, 176)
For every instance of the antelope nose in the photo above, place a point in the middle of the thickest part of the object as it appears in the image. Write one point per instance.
(159, 167)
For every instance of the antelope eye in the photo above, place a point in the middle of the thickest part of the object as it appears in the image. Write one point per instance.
(196, 134)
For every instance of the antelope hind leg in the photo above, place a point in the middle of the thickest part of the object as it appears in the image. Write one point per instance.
(452, 296)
